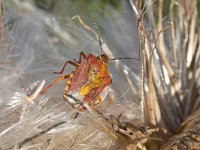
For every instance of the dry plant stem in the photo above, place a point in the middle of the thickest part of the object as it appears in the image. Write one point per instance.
(184, 26)
(151, 106)
(160, 79)
(192, 35)
(189, 99)
(176, 97)
(160, 18)
(143, 96)
(173, 40)
(143, 99)
(74, 141)
(156, 42)
(151, 15)
(153, 99)
(192, 47)
(161, 51)
(152, 72)
(134, 8)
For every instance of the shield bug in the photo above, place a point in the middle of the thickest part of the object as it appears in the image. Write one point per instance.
(86, 82)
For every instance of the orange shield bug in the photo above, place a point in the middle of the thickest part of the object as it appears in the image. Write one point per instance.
(86, 82)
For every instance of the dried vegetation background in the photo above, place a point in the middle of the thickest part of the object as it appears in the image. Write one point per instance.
(153, 105)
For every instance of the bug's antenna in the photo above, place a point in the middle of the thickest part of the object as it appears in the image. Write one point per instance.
(126, 58)
(99, 38)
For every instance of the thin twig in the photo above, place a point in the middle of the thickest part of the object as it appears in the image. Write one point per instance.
(26, 140)
(74, 141)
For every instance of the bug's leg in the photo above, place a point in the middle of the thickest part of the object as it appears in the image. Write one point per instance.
(82, 54)
(99, 101)
(54, 82)
(77, 114)
(63, 68)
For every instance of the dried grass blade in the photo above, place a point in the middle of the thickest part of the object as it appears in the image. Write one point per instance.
(191, 84)
(153, 105)
(173, 32)
(192, 37)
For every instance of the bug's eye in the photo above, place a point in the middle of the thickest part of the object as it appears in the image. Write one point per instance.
(104, 58)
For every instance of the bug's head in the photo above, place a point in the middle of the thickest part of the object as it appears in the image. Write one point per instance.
(104, 58)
